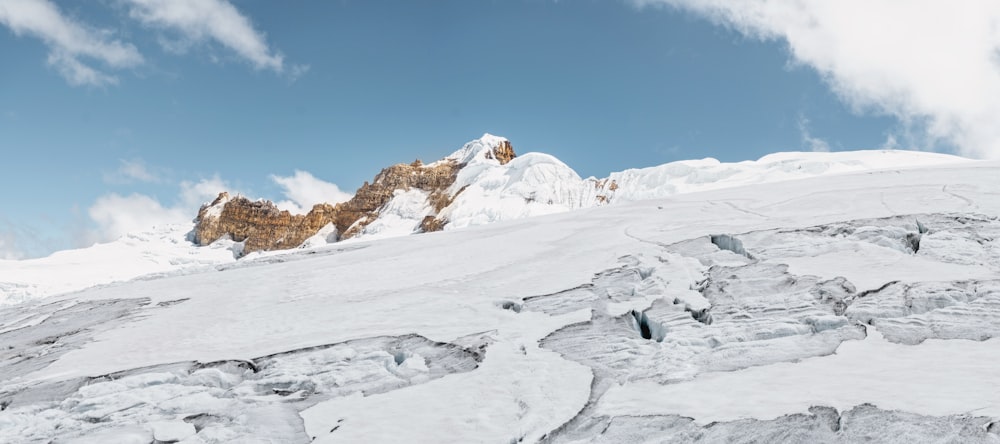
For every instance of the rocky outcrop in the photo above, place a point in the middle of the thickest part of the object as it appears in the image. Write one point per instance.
(363, 208)
(503, 153)
(438, 200)
(259, 224)
(262, 226)
(605, 189)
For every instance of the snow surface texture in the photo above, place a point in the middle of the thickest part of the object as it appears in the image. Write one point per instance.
(846, 308)
(532, 184)
(236, 400)
(163, 250)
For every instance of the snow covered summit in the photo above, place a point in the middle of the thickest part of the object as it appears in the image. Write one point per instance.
(484, 150)
(481, 183)
(486, 182)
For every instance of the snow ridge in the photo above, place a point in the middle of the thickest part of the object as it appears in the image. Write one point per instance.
(486, 190)
(476, 151)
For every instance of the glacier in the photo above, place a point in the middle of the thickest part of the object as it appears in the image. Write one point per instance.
(622, 322)
(485, 191)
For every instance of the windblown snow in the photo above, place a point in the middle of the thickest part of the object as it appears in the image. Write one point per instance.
(803, 297)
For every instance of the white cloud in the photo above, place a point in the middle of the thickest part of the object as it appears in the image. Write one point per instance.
(29, 237)
(297, 71)
(131, 171)
(194, 194)
(814, 144)
(203, 20)
(77, 73)
(116, 215)
(74, 46)
(303, 190)
(890, 143)
(933, 64)
(8, 247)
(69, 41)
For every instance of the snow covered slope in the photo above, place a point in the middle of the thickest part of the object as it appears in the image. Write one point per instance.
(484, 192)
(534, 184)
(162, 250)
(847, 308)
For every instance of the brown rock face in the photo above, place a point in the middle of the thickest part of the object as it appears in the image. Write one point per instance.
(262, 226)
(503, 153)
(438, 200)
(259, 223)
(364, 206)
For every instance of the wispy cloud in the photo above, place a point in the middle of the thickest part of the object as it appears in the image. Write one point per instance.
(8, 246)
(194, 194)
(198, 21)
(87, 56)
(130, 171)
(22, 239)
(811, 143)
(116, 215)
(69, 41)
(297, 71)
(303, 190)
(932, 64)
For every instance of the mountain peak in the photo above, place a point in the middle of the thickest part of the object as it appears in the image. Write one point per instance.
(484, 149)
(485, 182)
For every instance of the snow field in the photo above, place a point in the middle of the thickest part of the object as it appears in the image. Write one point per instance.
(567, 360)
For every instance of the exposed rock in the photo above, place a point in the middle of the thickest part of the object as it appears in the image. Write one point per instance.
(503, 153)
(262, 226)
(431, 224)
(605, 188)
(435, 178)
(438, 200)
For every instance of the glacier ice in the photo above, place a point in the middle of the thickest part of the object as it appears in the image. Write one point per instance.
(226, 400)
(836, 330)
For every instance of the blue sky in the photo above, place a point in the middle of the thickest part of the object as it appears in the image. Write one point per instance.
(150, 106)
